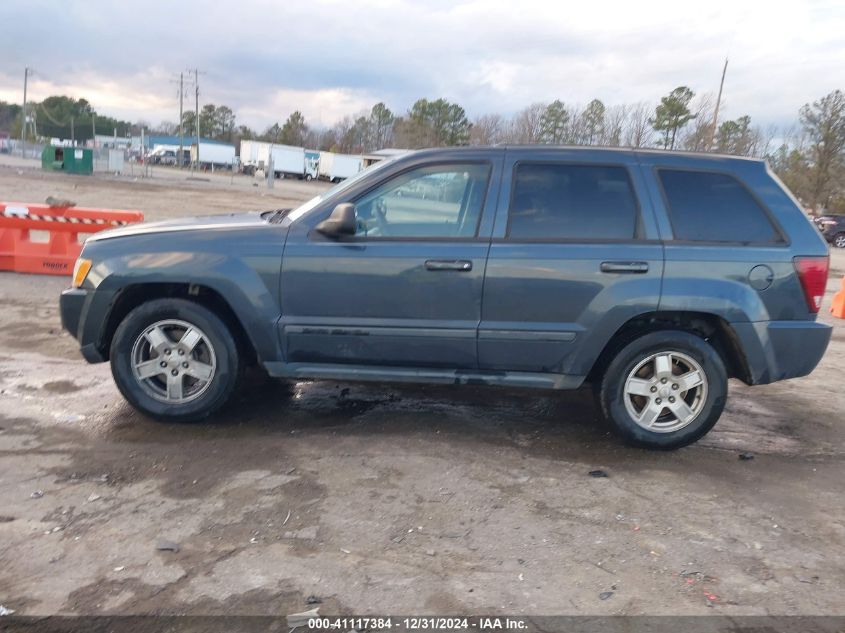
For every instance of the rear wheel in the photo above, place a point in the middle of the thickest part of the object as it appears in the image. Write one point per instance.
(664, 390)
(175, 360)
(839, 240)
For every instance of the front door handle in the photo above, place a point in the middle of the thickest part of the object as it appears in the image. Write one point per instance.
(624, 267)
(461, 265)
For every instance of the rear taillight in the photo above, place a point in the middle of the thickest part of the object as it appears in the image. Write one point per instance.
(812, 271)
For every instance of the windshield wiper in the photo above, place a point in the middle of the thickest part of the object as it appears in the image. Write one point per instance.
(274, 217)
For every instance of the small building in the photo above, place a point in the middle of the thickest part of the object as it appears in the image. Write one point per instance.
(150, 141)
(106, 141)
(382, 154)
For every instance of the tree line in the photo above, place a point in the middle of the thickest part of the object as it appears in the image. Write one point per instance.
(809, 156)
(62, 117)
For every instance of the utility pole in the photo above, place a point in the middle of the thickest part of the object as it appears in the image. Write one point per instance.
(94, 131)
(181, 82)
(197, 110)
(181, 131)
(181, 116)
(26, 72)
(718, 103)
(72, 134)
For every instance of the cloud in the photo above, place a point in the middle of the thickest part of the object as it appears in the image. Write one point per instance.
(322, 106)
(331, 58)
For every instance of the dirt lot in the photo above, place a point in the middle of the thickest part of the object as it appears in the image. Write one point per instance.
(391, 498)
(166, 193)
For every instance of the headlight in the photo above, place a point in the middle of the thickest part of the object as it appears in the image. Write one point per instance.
(80, 271)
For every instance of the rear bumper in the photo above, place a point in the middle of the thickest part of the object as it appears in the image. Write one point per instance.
(778, 350)
(74, 307)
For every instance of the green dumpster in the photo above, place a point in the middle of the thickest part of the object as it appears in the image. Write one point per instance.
(73, 160)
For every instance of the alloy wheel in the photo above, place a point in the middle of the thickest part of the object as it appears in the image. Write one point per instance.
(665, 392)
(173, 361)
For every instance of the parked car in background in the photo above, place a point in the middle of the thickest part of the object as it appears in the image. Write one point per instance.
(832, 227)
(654, 276)
(163, 157)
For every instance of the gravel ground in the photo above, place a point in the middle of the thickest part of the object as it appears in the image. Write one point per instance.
(387, 498)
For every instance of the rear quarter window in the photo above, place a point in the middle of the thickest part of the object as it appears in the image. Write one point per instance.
(714, 207)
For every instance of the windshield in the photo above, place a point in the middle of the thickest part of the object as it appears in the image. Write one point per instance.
(341, 186)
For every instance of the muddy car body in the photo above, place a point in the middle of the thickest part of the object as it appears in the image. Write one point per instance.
(654, 276)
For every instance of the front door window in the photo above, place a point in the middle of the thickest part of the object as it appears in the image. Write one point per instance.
(439, 201)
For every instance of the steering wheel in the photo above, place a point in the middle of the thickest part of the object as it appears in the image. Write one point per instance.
(380, 209)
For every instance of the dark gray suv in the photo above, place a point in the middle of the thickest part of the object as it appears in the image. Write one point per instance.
(654, 276)
(832, 228)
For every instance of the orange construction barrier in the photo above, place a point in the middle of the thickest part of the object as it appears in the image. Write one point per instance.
(837, 308)
(57, 254)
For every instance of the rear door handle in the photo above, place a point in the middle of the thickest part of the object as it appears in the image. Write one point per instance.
(461, 265)
(624, 267)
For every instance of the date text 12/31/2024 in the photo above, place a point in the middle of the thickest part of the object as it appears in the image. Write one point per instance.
(420, 623)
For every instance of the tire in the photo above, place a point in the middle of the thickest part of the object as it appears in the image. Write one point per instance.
(839, 240)
(211, 355)
(308, 177)
(659, 365)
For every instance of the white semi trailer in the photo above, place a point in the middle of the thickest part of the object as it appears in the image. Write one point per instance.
(288, 161)
(213, 155)
(337, 167)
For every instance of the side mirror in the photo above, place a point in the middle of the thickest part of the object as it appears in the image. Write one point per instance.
(342, 221)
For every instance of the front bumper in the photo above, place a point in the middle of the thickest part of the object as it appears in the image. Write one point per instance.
(74, 307)
(778, 350)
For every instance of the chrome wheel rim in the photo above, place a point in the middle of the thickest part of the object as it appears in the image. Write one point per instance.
(665, 392)
(839, 241)
(173, 361)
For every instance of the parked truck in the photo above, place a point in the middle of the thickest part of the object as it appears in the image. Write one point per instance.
(337, 167)
(213, 155)
(288, 161)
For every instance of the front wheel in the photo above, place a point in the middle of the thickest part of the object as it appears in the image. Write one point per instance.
(839, 240)
(174, 360)
(664, 390)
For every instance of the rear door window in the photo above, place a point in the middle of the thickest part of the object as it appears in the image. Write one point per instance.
(556, 201)
(714, 207)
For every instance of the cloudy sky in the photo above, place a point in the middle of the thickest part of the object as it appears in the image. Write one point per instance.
(329, 58)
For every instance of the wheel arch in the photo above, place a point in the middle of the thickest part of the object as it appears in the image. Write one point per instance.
(132, 296)
(710, 327)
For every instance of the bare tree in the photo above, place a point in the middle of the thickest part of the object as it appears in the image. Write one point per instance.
(824, 125)
(638, 131)
(527, 124)
(767, 137)
(487, 129)
(614, 125)
(696, 138)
